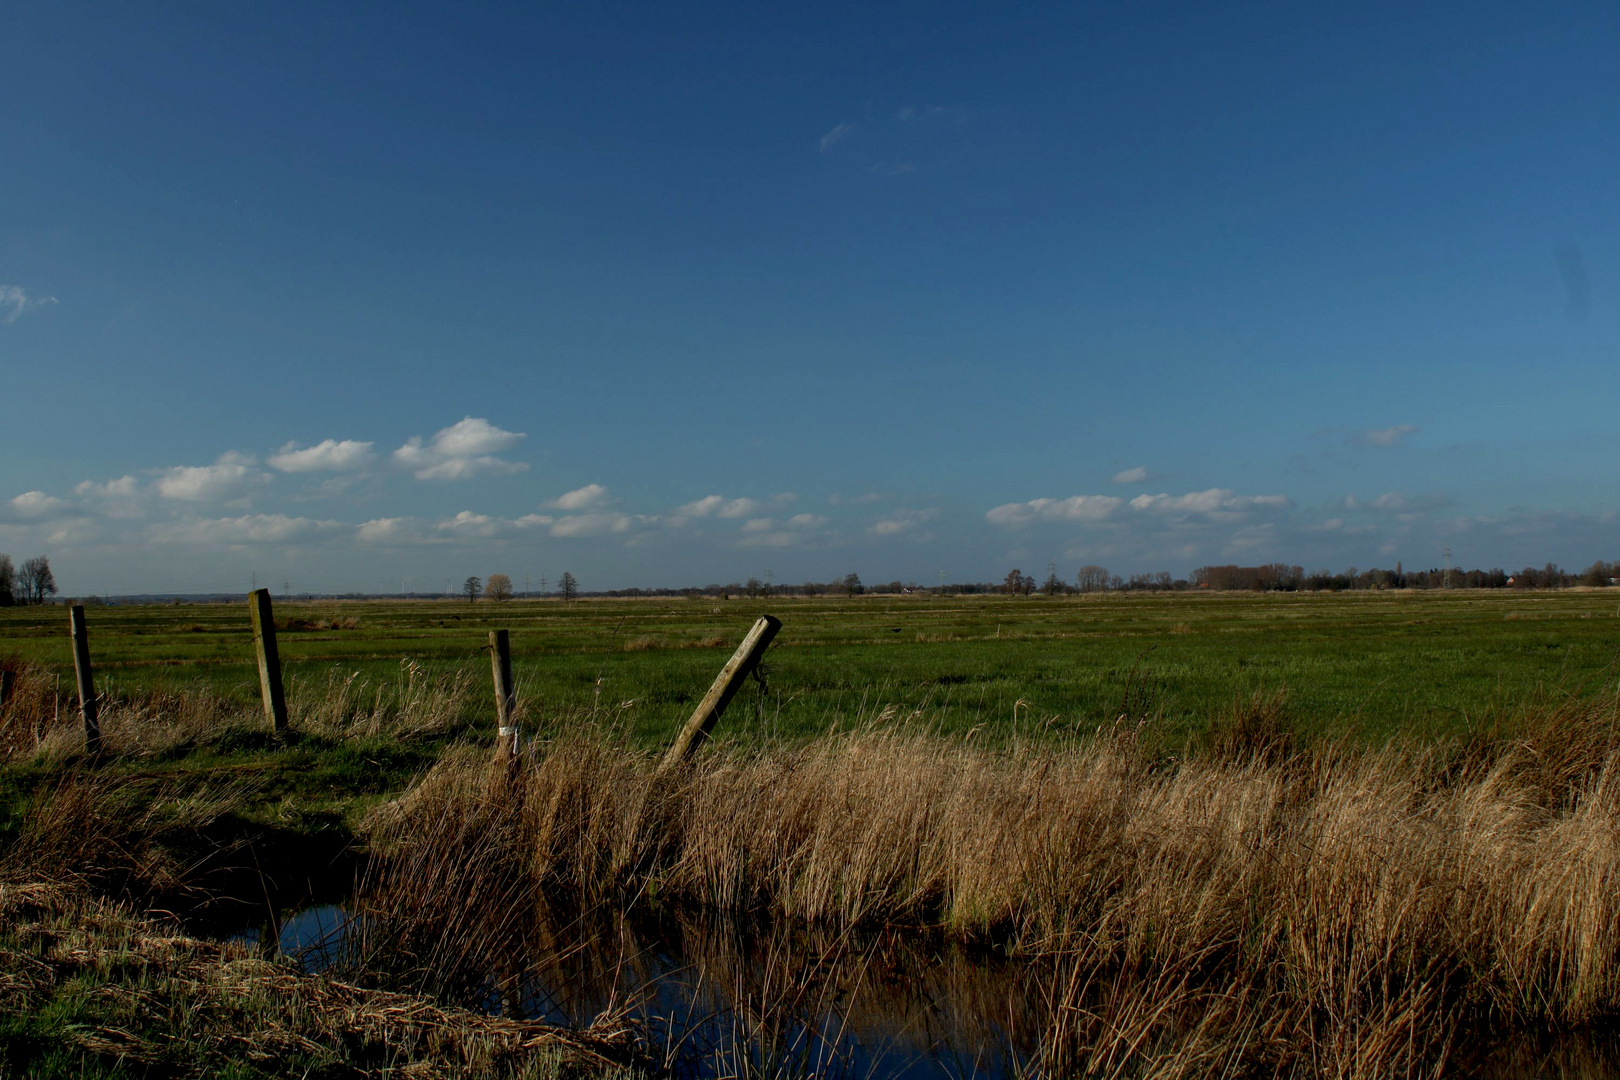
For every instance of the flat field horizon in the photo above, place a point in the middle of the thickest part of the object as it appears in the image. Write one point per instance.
(1364, 664)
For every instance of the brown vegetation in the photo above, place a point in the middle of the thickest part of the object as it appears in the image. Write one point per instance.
(1261, 903)
(182, 1006)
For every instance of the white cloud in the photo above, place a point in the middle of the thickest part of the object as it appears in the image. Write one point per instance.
(469, 524)
(838, 498)
(592, 525)
(585, 498)
(701, 507)
(125, 487)
(718, 506)
(233, 476)
(1075, 508)
(903, 521)
(1214, 501)
(758, 524)
(1137, 475)
(248, 529)
(14, 301)
(838, 134)
(1402, 506)
(330, 455)
(465, 449)
(1390, 436)
(805, 521)
(388, 530)
(37, 504)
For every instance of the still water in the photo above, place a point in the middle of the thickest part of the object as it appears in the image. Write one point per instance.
(721, 998)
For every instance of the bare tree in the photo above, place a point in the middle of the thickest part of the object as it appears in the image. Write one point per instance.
(471, 588)
(851, 584)
(35, 582)
(567, 587)
(1092, 578)
(498, 587)
(1014, 584)
(8, 581)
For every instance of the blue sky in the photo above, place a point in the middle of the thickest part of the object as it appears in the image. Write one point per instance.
(347, 296)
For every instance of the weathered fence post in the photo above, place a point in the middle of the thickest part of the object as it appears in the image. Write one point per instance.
(87, 682)
(725, 687)
(6, 678)
(264, 643)
(500, 660)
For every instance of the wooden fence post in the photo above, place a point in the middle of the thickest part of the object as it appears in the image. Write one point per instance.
(87, 682)
(725, 687)
(500, 661)
(264, 643)
(6, 678)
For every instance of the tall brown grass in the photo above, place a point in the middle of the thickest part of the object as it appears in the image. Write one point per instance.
(1261, 900)
(41, 721)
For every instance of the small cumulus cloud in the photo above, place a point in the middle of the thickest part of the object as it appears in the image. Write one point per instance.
(233, 476)
(125, 487)
(387, 530)
(718, 506)
(463, 450)
(119, 498)
(1089, 508)
(468, 524)
(585, 498)
(1215, 501)
(15, 302)
(329, 455)
(599, 524)
(37, 504)
(1215, 505)
(903, 521)
(1138, 475)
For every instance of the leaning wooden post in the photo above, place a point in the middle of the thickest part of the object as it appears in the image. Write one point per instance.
(500, 661)
(6, 681)
(725, 687)
(87, 682)
(264, 643)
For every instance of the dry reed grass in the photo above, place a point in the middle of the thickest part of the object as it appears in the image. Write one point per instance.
(1323, 909)
(180, 1006)
(41, 721)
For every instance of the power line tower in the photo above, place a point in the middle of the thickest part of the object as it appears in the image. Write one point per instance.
(942, 582)
(542, 584)
(1446, 581)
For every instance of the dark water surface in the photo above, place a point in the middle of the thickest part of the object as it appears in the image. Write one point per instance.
(713, 993)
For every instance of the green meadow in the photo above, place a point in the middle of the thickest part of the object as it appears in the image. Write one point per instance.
(1365, 663)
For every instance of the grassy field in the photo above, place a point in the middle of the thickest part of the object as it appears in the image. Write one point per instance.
(1374, 663)
(1392, 906)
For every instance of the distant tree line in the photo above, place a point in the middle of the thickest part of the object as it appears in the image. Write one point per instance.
(30, 583)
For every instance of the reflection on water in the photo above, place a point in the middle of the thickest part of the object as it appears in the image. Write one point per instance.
(794, 1001)
(317, 937)
(722, 998)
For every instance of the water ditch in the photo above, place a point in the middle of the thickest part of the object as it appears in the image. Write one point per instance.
(722, 997)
